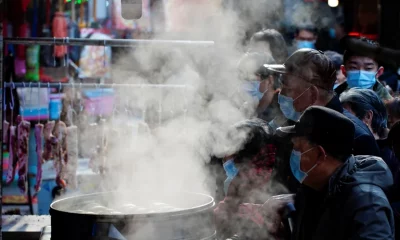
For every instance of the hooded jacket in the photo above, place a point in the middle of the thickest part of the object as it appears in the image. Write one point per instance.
(353, 206)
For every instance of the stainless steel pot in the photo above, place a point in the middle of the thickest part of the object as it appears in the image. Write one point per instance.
(177, 215)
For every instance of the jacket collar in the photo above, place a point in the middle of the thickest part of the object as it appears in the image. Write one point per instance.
(334, 185)
(335, 104)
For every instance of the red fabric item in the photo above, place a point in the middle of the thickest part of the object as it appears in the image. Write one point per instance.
(16, 15)
(20, 31)
(60, 30)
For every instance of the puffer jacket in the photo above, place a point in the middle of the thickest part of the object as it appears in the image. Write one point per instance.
(353, 206)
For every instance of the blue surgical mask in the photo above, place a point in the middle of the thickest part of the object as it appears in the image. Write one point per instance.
(361, 79)
(295, 159)
(253, 88)
(305, 44)
(231, 172)
(286, 106)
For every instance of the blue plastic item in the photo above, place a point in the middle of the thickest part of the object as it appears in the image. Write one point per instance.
(55, 106)
(98, 92)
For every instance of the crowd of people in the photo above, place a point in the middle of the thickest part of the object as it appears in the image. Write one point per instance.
(321, 156)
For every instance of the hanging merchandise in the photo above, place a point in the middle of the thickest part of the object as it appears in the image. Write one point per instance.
(35, 103)
(142, 24)
(95, 61)
(60, 30)
(74, 51)
(99, 101)
(19, 62)
(55, 106)
(23, 131)
(32, 63)
(46, 58)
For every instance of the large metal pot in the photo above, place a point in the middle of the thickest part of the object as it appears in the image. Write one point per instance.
(190, 218)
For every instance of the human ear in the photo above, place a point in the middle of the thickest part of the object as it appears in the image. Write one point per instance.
(343, 69)
(368, 118)
(380, 72)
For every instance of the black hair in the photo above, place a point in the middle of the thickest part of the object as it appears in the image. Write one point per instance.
(348, 53)
(276, 42)
(393, 107)
(394, 139)
(336, 58)
(363, 100)
(257, 136)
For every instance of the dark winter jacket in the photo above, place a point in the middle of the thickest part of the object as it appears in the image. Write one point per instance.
(364, 144)
(353, 206)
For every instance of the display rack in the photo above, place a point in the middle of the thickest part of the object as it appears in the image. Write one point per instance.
(90, 85)
(85, 42)
(104, 42)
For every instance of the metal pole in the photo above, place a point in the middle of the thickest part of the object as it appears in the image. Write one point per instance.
(3, 47)
(91, 85)
(102, 42)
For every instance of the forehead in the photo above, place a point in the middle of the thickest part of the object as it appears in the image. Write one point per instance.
(306, 33)
(361, 60)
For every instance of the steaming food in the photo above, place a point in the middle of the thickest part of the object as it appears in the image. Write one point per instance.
(127, 208)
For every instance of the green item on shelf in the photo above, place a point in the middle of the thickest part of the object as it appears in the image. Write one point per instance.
(32, 63)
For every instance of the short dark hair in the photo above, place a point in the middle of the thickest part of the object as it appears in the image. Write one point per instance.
(276, 42)
(336, 58)
(307, 28)
(393, 107)
(363, 100)
(394, 139)
(314, 66)
(348, 53)
(257, 137)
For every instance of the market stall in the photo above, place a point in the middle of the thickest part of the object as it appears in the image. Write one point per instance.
(42, 156)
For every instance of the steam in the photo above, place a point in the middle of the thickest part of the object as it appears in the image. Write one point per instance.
(178, 130)
(183, 127)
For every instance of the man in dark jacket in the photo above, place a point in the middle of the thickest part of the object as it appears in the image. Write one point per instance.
(307, 79)
(350, 200)
(362, 71)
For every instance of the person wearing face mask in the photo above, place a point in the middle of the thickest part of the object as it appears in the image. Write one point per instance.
(362, 71)
(307, 79)
(368, 107)
(349, 200)
(305, 37)
(247, 174)
(261, 84)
